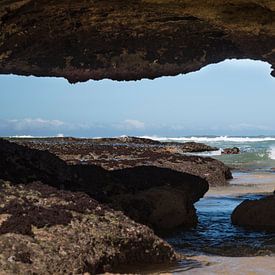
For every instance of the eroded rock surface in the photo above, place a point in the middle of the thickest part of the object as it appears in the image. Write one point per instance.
(114, 154)
(256, 214)
(190, 147)
(131, 39)
(47, 231)
(159, 197)
(131, 190)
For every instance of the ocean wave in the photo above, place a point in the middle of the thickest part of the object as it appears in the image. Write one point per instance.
(23, 136)
(212, 139)
(272, 153)
(29, 136)
(207, 154)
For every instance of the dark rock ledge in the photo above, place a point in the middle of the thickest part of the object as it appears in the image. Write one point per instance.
(119, 153)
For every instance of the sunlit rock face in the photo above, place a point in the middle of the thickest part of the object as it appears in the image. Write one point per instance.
(131, 39)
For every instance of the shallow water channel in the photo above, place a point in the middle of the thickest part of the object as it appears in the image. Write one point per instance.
(216, 246)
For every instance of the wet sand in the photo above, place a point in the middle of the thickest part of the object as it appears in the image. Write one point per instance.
(246, 183)
(264, 265)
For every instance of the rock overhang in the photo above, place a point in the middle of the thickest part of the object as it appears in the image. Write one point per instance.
(131, 40)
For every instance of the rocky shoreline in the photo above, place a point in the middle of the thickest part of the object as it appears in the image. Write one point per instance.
(153, 183)
(126, 152)
(47, 231)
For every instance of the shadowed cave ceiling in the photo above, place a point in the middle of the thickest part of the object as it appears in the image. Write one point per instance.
(130, 40)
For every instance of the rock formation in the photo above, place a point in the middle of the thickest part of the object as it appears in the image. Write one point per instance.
(159, 197)
(231, 151)
(256, 214)
(113, 154)
(131, 39)
(47, 231)
(190, 147)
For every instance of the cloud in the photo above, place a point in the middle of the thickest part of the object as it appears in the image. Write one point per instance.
(33, 124)
(131, 124)
(41, 124)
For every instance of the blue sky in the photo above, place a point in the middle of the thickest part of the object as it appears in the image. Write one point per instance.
(234, 97)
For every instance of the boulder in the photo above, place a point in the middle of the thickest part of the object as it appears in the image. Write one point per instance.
(256, 214)
(163, 209)
(161, 198)
(231, 151)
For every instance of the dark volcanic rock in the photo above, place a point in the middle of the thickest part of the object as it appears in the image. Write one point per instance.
(256, 214)
(47, 231)
(113, 154)
(118, 188)
(131, 39)
(231, 151)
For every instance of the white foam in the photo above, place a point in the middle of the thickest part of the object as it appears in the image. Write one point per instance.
(23, 136)
(207, 154)
(212, 139)
(29, 136)
(272, 153)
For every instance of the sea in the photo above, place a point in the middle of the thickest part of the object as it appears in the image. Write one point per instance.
(257, 153)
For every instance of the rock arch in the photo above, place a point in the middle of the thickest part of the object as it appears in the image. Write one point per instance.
(131, 39)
